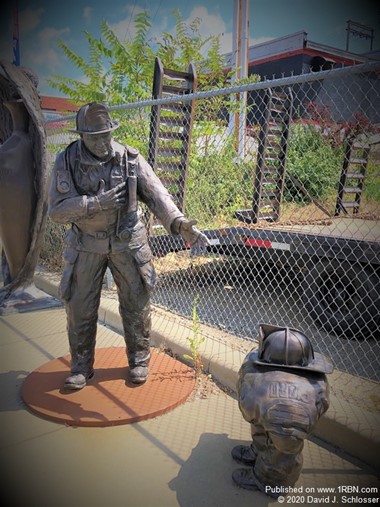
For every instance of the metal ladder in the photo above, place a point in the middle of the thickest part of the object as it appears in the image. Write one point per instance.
(352, 177)
(170, 129)
(271, 158)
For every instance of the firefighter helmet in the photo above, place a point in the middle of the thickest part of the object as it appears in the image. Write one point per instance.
(94, 118)
(289, 348)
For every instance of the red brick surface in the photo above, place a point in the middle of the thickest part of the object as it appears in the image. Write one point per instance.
(110, 398)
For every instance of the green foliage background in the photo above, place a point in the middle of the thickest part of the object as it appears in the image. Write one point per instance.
(314, 161)
(119, 72)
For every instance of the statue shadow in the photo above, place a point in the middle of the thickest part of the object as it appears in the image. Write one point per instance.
(205, 478)
(11, 383)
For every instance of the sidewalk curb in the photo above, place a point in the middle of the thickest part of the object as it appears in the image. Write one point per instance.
(345, 426)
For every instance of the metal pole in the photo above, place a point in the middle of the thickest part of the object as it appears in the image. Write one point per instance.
(244, 38)
(234, 63)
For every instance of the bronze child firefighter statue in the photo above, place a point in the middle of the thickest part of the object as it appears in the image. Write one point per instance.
(96, 184)
(283, 392)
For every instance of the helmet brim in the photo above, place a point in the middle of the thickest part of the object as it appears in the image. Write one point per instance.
(115, 125)
(320, 363)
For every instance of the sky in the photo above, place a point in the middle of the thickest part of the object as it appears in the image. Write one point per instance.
(43, 22)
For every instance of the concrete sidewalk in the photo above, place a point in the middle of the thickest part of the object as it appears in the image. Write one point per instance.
(346, 426)
(179, 459)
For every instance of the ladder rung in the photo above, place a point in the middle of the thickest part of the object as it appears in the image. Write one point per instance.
(355, 176)
(274, 142)
(271, 218)
(268, 218)
(352, 190)
(279, 96)
(280, 100)
(355, 160)
(174, 89)
(267, 207)
(269, 181)
(167, 166)
(172, 121)
(362, 146)
(276, 128)
(269, 195)
(178, 108)
(350, 204)
(169, 152)
(273, 152)
(270, 203)
(268, 211)
(168, 134)
(177, 74)
(278, 110)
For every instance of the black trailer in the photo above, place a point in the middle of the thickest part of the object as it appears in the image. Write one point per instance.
(338, 260)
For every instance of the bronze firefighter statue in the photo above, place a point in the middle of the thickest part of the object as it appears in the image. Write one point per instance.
(96, 185)
(283, 391)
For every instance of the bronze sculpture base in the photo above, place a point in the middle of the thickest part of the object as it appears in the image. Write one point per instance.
(110, 398)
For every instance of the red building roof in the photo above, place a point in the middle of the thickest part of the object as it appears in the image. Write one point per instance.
(59, 104)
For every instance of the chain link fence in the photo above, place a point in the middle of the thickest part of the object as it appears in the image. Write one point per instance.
(287, 189)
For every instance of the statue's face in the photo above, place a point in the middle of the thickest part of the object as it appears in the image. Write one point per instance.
(98, 144)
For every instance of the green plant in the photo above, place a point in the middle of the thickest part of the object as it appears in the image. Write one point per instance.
(372, 182)
(196, 340)
(218, 183)
(117, 72)
(314, 161)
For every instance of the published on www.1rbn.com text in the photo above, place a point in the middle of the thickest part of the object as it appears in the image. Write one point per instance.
(340, 495)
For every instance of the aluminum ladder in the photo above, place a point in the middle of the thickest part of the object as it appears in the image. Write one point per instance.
(352, 177)
(271, 158)
(170, 129)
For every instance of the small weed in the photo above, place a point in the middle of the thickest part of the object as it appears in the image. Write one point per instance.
(195, 341)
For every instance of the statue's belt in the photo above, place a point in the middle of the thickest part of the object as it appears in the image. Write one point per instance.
(99, 234)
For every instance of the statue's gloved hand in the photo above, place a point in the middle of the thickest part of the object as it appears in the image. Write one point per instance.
(192, 235)
(114, 198)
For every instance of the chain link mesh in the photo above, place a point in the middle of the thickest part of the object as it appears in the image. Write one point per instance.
(287, 190)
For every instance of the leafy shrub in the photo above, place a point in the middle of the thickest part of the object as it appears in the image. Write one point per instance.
(372, 183)
(313, 161)
(217, 184)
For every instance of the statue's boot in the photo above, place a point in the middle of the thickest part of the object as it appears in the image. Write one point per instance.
(138, 374)
(78, 381)
(245, 478)
(138, 360)
(244, 454)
